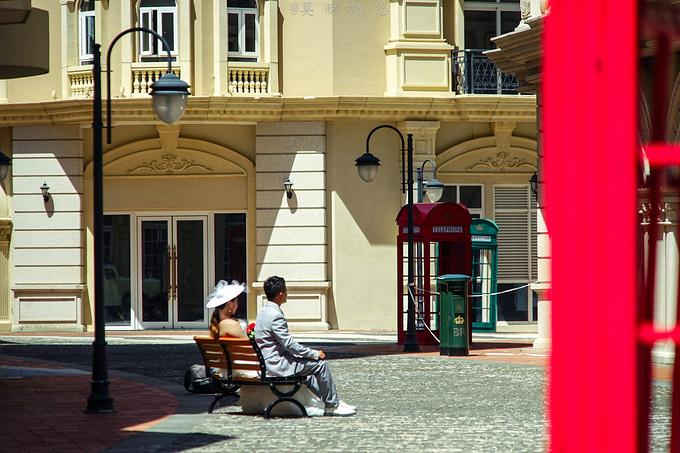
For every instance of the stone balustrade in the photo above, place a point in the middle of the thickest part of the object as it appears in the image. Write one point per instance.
(247, 78)
(81, 81)
(145, 74)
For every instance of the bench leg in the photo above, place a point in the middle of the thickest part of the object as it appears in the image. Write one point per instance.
(282, 399)
(217, 398)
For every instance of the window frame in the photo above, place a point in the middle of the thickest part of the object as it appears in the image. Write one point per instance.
(83, 17)
(498, 7)
(148, 39)
(474, 211)
(241, 13)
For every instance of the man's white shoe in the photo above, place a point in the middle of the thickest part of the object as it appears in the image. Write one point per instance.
(349, 406)
(343, 410)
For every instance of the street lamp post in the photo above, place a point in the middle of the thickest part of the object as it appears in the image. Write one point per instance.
(367, 166)
(169, 101)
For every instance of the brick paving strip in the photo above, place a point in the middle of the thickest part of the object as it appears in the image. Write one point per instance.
(45, 412)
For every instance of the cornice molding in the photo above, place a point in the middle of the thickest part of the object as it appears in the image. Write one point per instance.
(221, 110)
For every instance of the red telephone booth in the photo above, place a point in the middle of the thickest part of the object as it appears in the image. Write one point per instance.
(442, 245)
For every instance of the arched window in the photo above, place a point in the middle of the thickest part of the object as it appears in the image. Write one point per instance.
(86, 30)
(161, 17)
(243, 26)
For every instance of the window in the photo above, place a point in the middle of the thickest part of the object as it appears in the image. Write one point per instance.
(517, 263)
(243, 29)
(161, 17)
(486, 19)
(117, 287)
(471, 196)
(86, 30)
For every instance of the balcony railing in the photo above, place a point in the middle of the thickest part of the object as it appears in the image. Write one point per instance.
(145, 74)
(247, 78)
(474, 73)
(81, 81)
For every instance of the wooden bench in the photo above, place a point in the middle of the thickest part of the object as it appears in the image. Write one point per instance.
(242, 361)
(215, 363)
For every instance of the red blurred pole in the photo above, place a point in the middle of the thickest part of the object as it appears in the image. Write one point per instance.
(590, 143)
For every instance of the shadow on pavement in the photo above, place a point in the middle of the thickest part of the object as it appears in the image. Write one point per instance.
(167, 442)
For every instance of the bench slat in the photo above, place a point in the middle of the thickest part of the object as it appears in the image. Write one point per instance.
(252, 357)
(244, 366)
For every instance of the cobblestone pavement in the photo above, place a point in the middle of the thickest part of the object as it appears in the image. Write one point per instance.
(405, 402)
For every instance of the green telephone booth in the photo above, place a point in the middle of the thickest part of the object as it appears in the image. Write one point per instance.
(484, 233)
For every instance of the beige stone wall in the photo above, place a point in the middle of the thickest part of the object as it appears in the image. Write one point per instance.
(362, 228)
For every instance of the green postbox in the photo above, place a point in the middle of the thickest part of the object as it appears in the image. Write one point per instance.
(455, 320)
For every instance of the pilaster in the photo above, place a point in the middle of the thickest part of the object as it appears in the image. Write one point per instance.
(184, 54)
(47, 237)
(291, 232)
(418, 57)
(126, 53)
(220, 42)
(5, 237)
(424, 145)
(271, 43)
(543, 281)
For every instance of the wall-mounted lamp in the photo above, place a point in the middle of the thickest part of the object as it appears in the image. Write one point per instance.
(5, 163)
(45, 189)
(533, 183)
(288, 185)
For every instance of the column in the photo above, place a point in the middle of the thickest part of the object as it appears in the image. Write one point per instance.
(543, 280)
(291, 232)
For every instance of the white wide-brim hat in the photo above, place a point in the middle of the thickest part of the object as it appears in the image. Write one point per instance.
(223, 293)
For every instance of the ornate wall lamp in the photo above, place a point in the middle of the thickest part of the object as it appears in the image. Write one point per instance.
(533, 183)
(288, 185)
(45, 189)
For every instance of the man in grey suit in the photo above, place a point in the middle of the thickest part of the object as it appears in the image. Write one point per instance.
(284, 356)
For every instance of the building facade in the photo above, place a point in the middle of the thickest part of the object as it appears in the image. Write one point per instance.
(281, 90)
(520, 51)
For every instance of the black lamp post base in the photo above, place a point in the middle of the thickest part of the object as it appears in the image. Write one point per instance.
(411, 347)
(99, 400)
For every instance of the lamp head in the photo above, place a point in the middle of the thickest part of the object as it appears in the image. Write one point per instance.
(288, 185)
(367, 166)
(533, 183)
(435, 189)
(45, 189)
(169, 95)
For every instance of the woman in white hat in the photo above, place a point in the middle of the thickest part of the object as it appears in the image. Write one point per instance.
(224, 299)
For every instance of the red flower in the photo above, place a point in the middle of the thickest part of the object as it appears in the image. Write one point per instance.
(250, 330)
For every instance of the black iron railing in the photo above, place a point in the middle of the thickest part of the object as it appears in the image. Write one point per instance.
(473, 73)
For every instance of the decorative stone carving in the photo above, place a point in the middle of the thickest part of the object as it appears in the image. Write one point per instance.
(5, 232)
(168, 164)
(502, 161)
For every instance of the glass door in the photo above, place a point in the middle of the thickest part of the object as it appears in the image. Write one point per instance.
(483, 289)
(172, 271)
(155, 254)
(189, 272)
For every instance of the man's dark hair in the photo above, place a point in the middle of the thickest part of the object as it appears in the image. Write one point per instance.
(274, 285)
